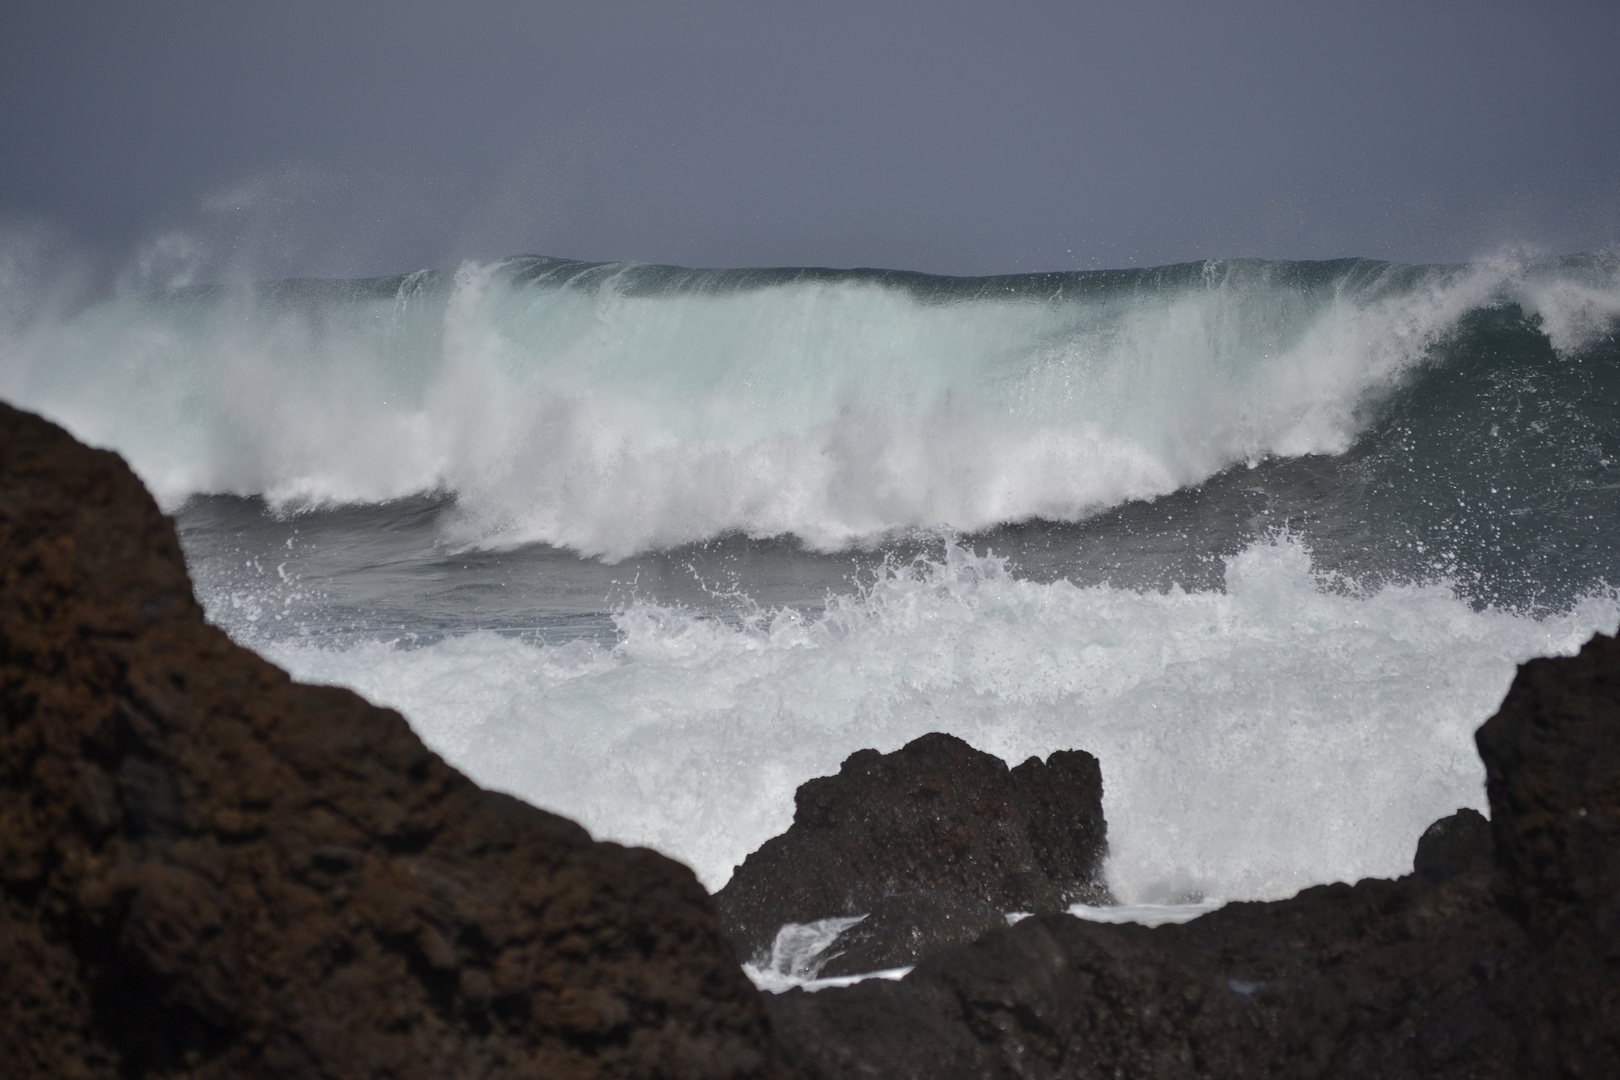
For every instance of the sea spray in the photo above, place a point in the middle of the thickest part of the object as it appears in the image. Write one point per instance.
(1284, 731)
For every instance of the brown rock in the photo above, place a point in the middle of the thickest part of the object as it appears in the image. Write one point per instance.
(208, 870)
(936, 819)
(1453, 845)
(902, 929)
(1050, 997)
(1552, 771)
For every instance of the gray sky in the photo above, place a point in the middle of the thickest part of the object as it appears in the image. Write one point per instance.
(349, 137)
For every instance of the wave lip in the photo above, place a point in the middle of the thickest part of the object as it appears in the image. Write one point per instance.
(614, 408)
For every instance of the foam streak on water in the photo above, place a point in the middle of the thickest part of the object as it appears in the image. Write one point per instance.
(1284, 732)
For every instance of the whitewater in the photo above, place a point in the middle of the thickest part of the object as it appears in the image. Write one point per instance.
(650, 546)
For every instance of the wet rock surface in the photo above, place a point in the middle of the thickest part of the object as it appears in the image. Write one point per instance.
(208, 870)
(1498, 957)
(900, 930)
(937, 821)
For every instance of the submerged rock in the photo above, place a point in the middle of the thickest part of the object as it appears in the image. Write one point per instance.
(937, 821)
(208, 870)
(1499, 957)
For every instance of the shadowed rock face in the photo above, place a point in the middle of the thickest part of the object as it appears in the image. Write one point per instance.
(1552, 770)
(208, 870)
(1453, 845)
(949, 826)
(1493, 960)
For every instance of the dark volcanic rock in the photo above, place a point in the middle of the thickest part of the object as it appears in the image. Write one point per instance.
(900, 929)
(1052, 996)
(208, 870)
(1454, 844)
(1552, 771)
(1418, 977)
(1471, 967)
(934, 817)
(1385, 979)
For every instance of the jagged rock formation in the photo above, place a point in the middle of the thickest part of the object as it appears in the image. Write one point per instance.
(208, 870)
(1552, 771)
(925, 841)
(1499, 957)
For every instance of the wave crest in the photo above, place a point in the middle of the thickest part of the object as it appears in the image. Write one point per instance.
(614, 408)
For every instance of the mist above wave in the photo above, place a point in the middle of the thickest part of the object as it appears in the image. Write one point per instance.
(613, 409)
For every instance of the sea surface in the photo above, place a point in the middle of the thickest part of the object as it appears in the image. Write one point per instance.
(650, 546)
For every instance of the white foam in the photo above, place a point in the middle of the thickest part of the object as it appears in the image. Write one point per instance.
(1145, 914)
(1252, 741)
(800, 949)
(609, 422)
(799, 952)
(1576, 306)
(776, 984)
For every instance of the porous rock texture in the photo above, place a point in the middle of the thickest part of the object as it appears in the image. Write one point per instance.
(899, 930)
(208, 870)
(924, 841)
(1552, 770)
(1499, 957)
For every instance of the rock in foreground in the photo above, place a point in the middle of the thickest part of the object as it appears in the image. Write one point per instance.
(1499, 957)
(208, 870)
(933, 842)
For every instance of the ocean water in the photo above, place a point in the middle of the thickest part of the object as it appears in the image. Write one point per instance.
(650, 546)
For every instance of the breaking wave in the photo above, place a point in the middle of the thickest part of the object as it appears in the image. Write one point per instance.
(613, 409)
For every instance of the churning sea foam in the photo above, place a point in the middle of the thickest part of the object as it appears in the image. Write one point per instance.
(605, 410)
(1287, 731)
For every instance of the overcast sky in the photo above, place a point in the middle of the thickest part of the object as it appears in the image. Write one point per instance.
(334, 137)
